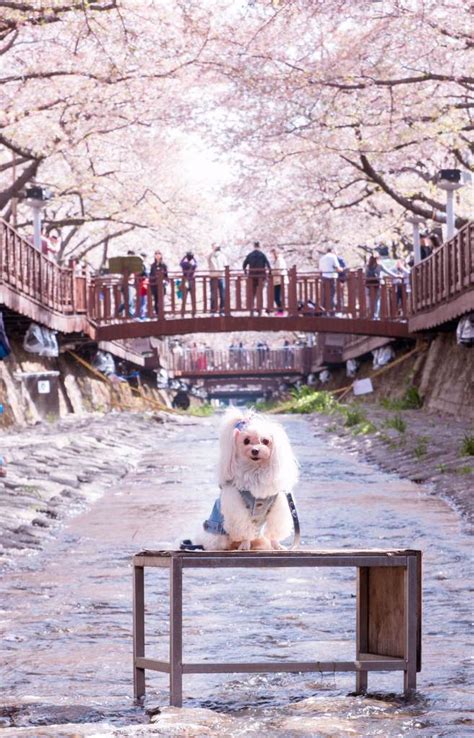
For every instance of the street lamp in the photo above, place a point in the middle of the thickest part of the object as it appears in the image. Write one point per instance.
(449, 180)
(416, 221)
(37, 198)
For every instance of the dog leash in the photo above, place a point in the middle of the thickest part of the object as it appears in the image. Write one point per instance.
(296, 521)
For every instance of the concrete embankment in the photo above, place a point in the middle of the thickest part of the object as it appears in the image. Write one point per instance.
(437, 366)
(35, 388)
(431, 445)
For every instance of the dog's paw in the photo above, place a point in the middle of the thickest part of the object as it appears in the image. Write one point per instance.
(277, 546)
(245, 546)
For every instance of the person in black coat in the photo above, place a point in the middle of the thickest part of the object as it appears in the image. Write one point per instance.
(256, 266)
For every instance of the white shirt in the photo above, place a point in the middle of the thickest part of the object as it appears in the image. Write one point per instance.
(329, 265)
(217, 261)
(279, 270)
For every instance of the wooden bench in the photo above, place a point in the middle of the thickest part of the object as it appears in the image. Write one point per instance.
(388, 613)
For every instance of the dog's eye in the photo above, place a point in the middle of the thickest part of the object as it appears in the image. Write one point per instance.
(246, 441)
(265, 441)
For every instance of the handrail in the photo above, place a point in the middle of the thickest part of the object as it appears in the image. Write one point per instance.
(133, 297)
(38, 277)
(238, 360)
(446, 274)
(119, 299)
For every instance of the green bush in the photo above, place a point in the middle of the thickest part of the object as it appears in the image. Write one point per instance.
(411, 400)
(421, 447)
(464, 470)
(354, 416)
(201, 411)
(467, 446)
(397, 423)
(364, 428)
(306, 400)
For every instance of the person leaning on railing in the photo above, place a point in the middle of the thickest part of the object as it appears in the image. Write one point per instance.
(217, 262)
(329, 268)
(256, 266)
(188, 265)
(280, 277)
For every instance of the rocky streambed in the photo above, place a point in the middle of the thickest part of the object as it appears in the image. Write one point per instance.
(66, 610)
(431, 449)
(55, 470)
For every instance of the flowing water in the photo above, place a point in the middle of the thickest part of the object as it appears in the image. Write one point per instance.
(65, 613)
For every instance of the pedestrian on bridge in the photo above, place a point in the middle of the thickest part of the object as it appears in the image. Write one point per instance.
(280, 277)
(158, 267)
(189, 265)
(329, 268)
(373, 272)
(217, 262)
(256, 266)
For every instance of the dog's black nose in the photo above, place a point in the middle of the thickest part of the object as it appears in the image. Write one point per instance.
(255, 452)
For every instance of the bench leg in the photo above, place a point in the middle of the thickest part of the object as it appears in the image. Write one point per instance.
(176, 633)
(362, 624)
(361, 681)
(138, 631)
(411, 609)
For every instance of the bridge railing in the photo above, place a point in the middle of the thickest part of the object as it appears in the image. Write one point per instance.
(240, 360)
(446, 274)
(38, 277)
(120, 298)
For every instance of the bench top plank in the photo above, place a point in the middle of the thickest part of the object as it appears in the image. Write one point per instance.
(301, 557)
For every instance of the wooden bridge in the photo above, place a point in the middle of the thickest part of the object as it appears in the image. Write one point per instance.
(71, 299)
(240, 362)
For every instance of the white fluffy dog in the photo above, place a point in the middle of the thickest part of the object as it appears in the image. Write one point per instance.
(256, 470)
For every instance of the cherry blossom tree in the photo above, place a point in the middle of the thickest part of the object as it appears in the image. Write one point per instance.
(334, 117)
(343, 113)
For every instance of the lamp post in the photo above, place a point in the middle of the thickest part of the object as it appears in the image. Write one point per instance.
(416, 221)
(37, 198)
(449, 180)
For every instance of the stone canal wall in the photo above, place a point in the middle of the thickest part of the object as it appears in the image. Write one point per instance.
(34, 388)
(443, 373)
(441, 370)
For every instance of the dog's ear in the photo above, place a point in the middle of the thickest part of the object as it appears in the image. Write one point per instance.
(228, 437)
(283, 462)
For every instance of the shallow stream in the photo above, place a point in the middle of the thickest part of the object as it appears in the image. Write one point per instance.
(65, 612)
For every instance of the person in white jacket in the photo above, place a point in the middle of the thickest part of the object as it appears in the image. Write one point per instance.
(217, 262)
(280, 277)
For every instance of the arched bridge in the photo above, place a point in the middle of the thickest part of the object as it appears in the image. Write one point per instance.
(71, 299)
(122, 307)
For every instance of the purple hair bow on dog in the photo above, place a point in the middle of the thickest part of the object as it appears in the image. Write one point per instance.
(244, 422)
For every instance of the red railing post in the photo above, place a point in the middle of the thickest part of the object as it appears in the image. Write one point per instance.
(292, 292)
(227, 294)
